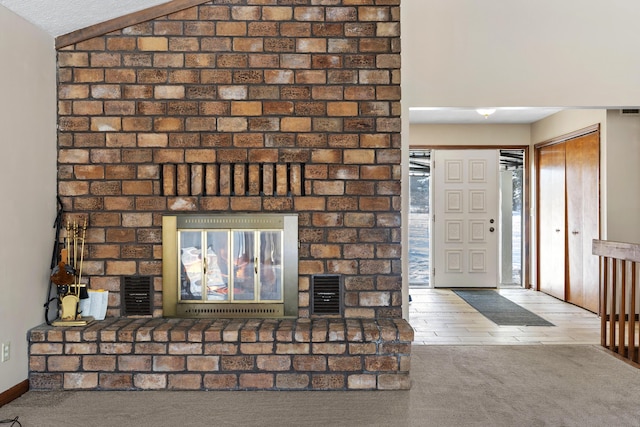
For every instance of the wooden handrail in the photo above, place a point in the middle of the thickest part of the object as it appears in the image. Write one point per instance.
(619, 250)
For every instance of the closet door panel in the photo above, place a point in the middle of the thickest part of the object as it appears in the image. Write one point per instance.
(551, 210)
(583, 202)
(575, 211)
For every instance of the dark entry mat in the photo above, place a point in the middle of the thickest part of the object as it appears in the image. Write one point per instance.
(499, 309)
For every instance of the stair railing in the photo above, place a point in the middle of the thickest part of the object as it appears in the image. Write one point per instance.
(619, 297)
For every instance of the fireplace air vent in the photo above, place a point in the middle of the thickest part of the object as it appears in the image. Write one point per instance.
(326, 294)
(137, 292)
(206, 311)
(239, 311)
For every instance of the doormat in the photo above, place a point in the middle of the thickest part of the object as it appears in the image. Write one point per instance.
(500, 310)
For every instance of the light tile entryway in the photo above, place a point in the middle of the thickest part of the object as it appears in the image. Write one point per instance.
(438, 316)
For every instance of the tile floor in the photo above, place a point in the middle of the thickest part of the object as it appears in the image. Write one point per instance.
(439, 316)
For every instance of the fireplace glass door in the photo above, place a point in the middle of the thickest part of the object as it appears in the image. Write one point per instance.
(230, 265)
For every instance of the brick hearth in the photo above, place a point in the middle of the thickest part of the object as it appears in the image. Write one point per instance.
(222, 354)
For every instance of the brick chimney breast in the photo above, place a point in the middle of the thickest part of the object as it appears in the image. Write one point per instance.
(289, 107)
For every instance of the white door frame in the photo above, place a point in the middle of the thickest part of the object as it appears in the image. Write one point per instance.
(527, 244)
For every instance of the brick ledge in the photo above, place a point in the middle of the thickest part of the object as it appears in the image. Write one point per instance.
(222, 354)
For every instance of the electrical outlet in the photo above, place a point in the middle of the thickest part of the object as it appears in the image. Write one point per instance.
(6, 351)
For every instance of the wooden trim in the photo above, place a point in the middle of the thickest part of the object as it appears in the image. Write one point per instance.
(567, 136)
(14, 392)
(125, 21)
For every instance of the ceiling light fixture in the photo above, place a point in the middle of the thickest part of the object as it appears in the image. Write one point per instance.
(486, 112)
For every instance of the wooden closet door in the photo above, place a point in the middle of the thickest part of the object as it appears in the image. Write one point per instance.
(551, 220)
(583, 204)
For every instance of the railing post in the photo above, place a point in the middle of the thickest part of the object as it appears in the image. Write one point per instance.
(612, 310)
(623, 309)
(604, 285)
(633, 354)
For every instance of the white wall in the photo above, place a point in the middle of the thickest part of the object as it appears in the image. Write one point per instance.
(28, 183)
(563, 123)
(623, 189)
(470, 53)
(425, 134)
(568, 121)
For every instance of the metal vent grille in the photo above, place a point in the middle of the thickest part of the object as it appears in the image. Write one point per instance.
(326, 294)
(630, 111)
(138, 292)
(234, 310)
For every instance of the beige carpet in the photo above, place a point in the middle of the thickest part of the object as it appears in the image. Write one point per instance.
(451, 386)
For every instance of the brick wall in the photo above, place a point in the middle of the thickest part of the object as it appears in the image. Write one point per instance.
(160, 116)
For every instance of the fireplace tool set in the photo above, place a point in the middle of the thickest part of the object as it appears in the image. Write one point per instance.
(67, 276)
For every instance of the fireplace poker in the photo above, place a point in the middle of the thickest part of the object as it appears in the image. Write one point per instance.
(75, 244)
(84, 233)
(67, 243)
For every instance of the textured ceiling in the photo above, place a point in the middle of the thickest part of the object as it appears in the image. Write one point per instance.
(58, 17)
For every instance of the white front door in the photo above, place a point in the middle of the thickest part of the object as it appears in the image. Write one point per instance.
(465, 203)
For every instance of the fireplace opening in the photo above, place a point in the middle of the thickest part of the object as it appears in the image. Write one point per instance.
(240, 265)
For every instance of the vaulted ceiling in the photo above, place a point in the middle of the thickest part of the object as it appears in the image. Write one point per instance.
(58, 17)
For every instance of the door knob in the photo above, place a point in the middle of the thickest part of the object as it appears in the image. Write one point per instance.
(575, 232)
(492, 229)
(557, 230)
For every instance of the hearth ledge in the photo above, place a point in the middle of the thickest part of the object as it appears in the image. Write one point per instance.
(222, 354)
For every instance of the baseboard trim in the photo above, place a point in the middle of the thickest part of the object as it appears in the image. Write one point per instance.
(14, 392)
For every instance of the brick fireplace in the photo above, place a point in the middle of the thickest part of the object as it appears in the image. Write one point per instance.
(235, 106)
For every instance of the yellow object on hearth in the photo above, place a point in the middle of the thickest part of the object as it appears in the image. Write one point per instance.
(69, 313)
(69, 307)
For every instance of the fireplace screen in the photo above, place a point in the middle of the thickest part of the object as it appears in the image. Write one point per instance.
(230, 266)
